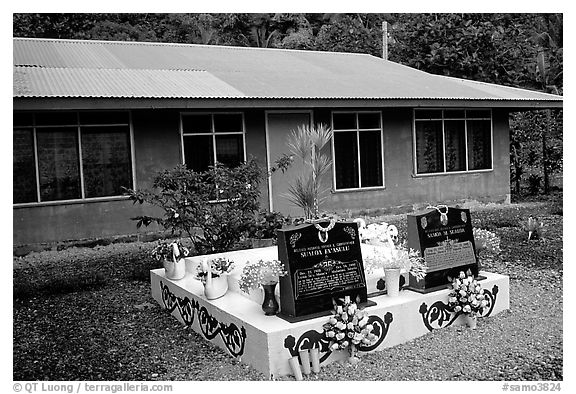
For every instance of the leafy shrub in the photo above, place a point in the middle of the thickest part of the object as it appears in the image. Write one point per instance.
(214, 208)
(265, 224)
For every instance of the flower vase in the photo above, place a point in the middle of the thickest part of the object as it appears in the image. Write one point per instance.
(215, 287)
(353, 359)
(270, 305)
(471, 321)
(175, 269)
(392, 279)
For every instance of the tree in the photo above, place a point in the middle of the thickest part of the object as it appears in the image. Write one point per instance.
(348, 34)
(547, 73)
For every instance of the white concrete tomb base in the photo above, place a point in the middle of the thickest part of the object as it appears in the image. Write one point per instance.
(237, 324)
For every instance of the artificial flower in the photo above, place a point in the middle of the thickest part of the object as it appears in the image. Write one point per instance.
(466, 295)
(217, 267)
(261, 272)
(348, 327)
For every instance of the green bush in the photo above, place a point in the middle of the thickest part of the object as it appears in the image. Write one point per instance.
(214, 208)
(265, 224)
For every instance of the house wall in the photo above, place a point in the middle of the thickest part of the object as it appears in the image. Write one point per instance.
(403, 188)
(157, 146)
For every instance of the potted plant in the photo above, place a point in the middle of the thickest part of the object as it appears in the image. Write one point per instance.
(214, 276)
(263, 273)
(171, 254)
(348, 328)
(467, 297)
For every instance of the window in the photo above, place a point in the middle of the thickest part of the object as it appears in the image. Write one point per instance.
(208, 138)
(358, 156)
(70, 155)
(448, 141)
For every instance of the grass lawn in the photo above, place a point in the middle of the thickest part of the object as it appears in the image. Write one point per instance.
(87, 314)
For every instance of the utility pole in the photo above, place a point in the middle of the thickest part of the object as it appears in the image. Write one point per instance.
(385, 40)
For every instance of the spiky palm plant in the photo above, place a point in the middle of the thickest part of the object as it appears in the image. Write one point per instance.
(306, 143)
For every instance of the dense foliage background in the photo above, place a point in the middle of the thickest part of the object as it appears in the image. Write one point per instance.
(521, 50)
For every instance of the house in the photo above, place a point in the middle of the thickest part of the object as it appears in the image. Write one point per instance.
(93, 116)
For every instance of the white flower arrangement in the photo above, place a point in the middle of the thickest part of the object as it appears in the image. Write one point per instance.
(260, 273)
(400, 257)
(348, 327)
(466, 295)
(218, 267)
(377, 232)
(167, 250)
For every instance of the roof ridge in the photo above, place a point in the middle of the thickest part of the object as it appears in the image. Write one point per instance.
(159, 43)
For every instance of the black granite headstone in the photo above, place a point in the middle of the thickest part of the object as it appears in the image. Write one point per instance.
(322, 266)
(445, 239)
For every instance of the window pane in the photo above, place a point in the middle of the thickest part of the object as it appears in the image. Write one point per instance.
(455, 145)
(229, 149)
(106, 160)
(58, 164)
(371, 158)
(428, 114)
(24, 171)
(346, 160)
(479, 145)
(369, 120)
(228, 123)
(22, 119)
(198, 153)
(99, 117)
(454, 113)
(56, 118)
(478, 113)
(197, 123)
(344, 121)
(429, 151)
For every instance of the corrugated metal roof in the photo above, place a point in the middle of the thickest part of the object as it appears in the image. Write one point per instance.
(75, 68)
(80, 82)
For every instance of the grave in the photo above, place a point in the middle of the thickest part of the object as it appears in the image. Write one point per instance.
(237, 324)
(444, 237)
(324, 263)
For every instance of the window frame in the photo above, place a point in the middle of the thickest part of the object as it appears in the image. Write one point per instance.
(442, 119)
(212, 132)
(78, 127)
(357, 130)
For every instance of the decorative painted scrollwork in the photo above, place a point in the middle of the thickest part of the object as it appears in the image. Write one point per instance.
(233, 338)
(380, 330)
(310, 339)
(440, 316)
(350, 231)
(294, 238)
(315, 339)
(491, 296)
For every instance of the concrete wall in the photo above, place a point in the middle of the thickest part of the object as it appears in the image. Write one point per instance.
(157, 146)
(403, 188)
